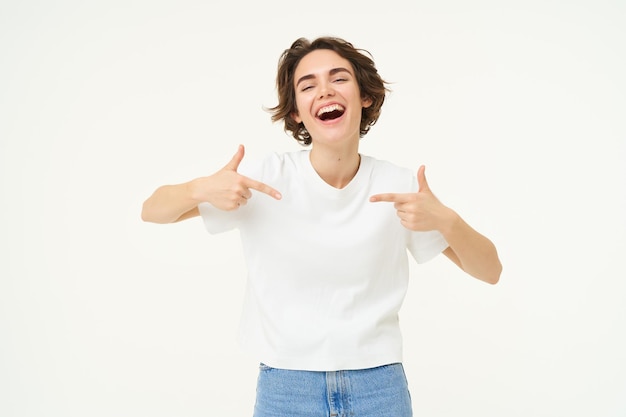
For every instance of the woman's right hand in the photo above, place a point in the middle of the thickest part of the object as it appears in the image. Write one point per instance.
(227, 189)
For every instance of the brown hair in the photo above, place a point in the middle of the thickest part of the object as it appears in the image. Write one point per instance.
(371, 85)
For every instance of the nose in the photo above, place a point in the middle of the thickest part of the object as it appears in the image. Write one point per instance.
(326, 89)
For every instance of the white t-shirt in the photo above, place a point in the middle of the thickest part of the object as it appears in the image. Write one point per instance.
(327, 269)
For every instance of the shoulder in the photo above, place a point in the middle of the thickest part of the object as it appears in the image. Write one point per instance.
(280, 158)
(389, 174)
(387, 168)
(272, 164)
(283, 160)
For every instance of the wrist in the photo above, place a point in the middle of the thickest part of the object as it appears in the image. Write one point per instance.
(450, 223)
(193, 189)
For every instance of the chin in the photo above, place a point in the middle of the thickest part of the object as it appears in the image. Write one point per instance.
(331, 136)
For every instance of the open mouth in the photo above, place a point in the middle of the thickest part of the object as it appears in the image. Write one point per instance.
(330, 112)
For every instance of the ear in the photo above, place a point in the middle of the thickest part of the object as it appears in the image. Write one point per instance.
(294, 115)
(366, 102)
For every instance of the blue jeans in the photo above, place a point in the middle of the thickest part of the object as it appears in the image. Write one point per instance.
(375, 392)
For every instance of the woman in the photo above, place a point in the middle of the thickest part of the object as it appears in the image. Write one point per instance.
(326, 251)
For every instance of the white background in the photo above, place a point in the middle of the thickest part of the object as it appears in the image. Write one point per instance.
(516, 107)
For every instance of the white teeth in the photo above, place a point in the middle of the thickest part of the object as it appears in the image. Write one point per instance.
(330, 108)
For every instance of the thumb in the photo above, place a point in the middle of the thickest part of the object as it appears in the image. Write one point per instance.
(421, 180)
(233, 165)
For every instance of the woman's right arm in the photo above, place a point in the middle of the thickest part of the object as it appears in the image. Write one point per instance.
(226, 190)
(171, 203)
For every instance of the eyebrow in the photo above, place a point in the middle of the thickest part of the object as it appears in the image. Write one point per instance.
(331, 72)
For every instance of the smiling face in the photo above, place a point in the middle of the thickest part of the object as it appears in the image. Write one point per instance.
(328, 99)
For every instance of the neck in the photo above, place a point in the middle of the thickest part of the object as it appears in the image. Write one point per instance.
(336, 167)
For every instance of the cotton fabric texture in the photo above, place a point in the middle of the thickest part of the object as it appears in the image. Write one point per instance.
(327, 268)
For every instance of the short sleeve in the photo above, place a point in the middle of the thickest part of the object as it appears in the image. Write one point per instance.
(218, 221)
(424, 246)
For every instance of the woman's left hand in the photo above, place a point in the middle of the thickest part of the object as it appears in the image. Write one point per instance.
(420, 211)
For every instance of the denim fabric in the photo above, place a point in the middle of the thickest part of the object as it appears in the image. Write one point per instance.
(375, 392)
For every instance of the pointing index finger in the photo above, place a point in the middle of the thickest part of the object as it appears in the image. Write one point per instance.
(390, 197)
(263, 188)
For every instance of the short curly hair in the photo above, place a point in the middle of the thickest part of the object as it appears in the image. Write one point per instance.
(371, 85)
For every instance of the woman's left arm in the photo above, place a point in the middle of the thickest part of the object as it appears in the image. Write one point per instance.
(470, 250)
(422, 211)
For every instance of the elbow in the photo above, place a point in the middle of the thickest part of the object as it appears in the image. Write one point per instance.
(490, 275)
(147, 215)
(494, 277)
(152, 215)
(493, 280)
